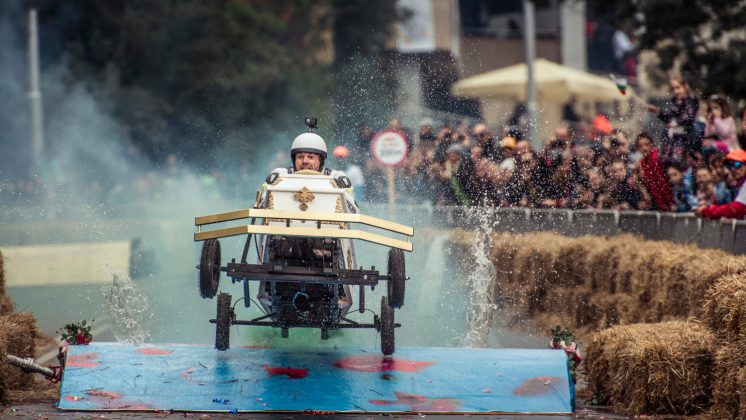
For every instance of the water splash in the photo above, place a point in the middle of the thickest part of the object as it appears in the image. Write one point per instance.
(128, 311)
(480, 281)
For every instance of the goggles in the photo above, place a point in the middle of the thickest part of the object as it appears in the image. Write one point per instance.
(733, 164)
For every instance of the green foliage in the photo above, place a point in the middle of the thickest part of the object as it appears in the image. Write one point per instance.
(185, 75)
(698, 34)
(77, 333)
(559, 334)
(564, 339)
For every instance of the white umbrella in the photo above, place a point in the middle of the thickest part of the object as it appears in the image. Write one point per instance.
(554, 82)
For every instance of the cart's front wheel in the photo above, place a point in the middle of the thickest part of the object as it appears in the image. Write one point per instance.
(223, 322)
(209, 268)
(387, 328)
(397, 278)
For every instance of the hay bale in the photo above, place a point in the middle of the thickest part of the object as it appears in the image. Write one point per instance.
(6, 305)
(18, 333)
(660, 368)
(729, 383)
(725, 307)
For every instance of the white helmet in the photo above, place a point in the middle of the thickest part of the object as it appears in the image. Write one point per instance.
(309, 143)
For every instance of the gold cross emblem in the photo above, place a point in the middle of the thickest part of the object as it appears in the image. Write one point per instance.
(304, 196)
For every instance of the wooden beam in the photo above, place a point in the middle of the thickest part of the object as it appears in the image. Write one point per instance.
(304, 231)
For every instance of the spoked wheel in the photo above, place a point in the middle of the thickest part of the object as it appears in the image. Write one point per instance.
(223, 322)
(397, 278)
(209, 268)
(387, 328)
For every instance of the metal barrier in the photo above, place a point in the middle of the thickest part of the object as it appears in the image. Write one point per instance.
(726, 234)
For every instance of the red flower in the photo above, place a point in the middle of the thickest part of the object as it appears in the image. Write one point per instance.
(81, 338)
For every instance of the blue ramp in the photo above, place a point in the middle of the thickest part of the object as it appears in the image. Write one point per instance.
(113, 376)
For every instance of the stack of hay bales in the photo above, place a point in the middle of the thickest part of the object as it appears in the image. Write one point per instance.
(598, 282)
(662, 368)
(667, 365)
(725, 315)
(18, 334)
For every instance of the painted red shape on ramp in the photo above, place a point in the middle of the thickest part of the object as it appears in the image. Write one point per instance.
(153, 352)
(82, 360)
(113, 400)
(371, 363)
(537, 386)
(421, 403)
(100, 393)
(291, 373)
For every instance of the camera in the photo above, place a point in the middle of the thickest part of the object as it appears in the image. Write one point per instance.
(312, 122)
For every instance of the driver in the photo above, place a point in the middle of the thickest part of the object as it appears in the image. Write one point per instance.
(308, 152)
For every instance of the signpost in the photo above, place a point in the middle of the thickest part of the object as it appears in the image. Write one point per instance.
(390, 148)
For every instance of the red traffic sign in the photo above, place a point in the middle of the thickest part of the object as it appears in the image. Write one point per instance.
(390, 147)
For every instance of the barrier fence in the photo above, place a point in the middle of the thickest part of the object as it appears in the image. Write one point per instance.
(726, 234)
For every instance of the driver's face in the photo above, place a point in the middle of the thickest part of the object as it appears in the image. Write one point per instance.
(304, 160)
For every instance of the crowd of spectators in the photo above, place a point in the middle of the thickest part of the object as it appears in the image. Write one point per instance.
(695, 161)
(685, 168)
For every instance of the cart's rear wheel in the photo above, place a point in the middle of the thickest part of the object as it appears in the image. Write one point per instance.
(209, 268)
(223, 322)
(397, 278)
(387, 328)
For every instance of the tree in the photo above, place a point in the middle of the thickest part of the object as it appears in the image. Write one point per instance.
(185, 75)
(706, 39)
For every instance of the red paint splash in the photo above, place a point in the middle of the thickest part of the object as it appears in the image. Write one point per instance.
(153, 352)
(109, 400)
(291, 373)
(82, 360)
(371, 363)
(187, 376)
(421, 403)
(99, 393)
(538, 385)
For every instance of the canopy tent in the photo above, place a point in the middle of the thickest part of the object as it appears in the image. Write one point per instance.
(554, 82)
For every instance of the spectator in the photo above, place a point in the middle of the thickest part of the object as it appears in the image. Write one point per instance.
(683, 197)
(735, 167)
(507, 153)
(589, 193)
(720, 124)
(522, 147)
(722, 192)
(619, 145)
(557, 188)
(522, 188)
(625, 54)
(704, 187)
(487, 142)
(457, 175)
(620, 193)
(679, 116)
(651, 170)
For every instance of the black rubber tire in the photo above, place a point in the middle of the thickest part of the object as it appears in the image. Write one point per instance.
(209, 269)
(397, 278)
(387, 328)
(223, 322)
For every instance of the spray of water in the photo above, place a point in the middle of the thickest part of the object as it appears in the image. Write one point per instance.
(480, 282)
(129, 313)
